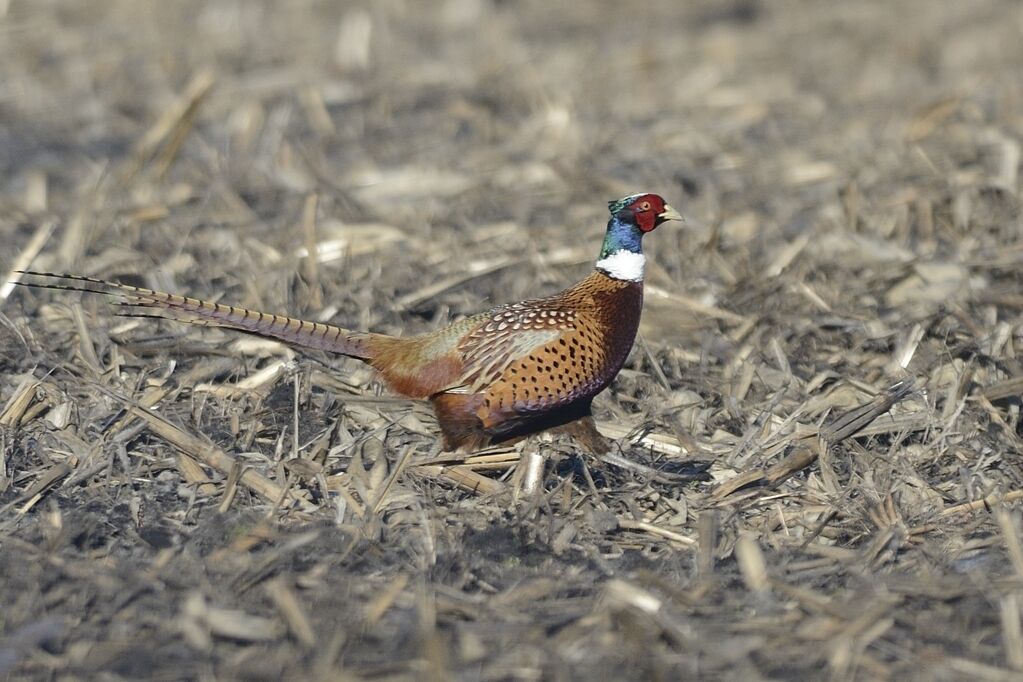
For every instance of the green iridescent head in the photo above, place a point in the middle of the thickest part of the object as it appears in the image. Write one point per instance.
(631, 218)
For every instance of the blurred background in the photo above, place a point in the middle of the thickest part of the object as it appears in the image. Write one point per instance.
(850, 173)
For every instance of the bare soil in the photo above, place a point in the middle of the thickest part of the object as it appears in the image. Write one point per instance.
(819, 470)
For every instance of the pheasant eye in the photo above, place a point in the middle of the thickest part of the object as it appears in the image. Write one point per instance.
(645, 206)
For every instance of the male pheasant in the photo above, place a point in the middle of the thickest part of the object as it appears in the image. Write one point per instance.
(497, 376)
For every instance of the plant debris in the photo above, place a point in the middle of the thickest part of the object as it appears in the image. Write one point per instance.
(819, 465)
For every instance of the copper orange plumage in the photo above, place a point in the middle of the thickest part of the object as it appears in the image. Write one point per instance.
(493, 377)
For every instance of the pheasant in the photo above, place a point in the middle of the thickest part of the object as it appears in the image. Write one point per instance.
(493, 377)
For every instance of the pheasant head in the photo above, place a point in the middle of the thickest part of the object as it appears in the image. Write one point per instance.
(621, 256)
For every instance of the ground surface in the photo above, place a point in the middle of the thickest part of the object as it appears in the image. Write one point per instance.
(851, 176)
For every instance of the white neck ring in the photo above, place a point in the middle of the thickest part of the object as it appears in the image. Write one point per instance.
(623, 264)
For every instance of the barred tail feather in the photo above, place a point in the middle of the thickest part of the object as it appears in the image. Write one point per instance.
(142, 302)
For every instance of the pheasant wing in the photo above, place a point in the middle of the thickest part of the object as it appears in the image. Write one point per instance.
(509, 334)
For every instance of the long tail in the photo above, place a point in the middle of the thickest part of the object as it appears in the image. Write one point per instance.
(141, 302)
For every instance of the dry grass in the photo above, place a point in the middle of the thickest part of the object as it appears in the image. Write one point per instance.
(182, 503)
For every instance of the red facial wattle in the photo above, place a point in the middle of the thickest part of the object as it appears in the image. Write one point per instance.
(646, 221)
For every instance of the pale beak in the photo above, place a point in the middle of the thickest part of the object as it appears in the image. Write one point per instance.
(670, 214)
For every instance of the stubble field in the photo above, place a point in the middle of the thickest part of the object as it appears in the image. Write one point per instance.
(820, 417)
